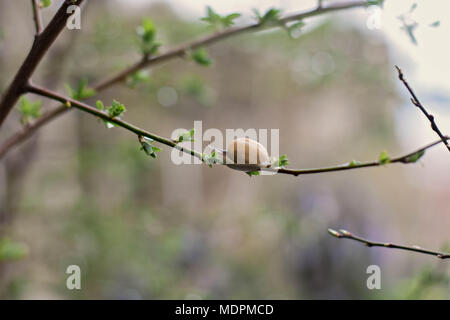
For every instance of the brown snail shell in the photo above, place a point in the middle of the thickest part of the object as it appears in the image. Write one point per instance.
(245, 154)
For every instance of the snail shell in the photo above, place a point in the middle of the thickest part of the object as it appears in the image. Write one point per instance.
(245, 154)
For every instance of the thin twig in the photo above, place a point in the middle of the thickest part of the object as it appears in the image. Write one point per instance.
(37, 16)
(419, 105)
(37, 52)
(69, 102)
(408, 158)
(344, 234)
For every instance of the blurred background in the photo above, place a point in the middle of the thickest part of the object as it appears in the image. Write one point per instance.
(80, 194)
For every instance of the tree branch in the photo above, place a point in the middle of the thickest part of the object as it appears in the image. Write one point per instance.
(103, 115)
(26, 132)
(343, 234)
(37, 16)
(210, 39)
(419, 105)
(40, 46)
(408, 158)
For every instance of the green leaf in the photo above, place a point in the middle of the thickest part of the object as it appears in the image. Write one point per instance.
(70, 91)
(228, 20)
(99, 105)
(147, 34)
(29, 110)
(116, 109)
(252, 173)
(435, 24)
(10, 250)
(82, 92)
(409, 27)
(188, 136)
(295, 28)
(383, 158)
(211, 159)
(200, 56)
(147, 30)
(415, 157)
(376, 2)
(271, 16)
(45, 3)
(354, 163)
(148, 148)
(138, 78)
(216, 20)
(281, 162)
(212, 17)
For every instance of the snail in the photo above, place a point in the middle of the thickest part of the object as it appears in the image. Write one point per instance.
(247, 155)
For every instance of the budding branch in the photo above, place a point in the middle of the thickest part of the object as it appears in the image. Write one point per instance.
(344, 234)
(419, 105)
(31, 88)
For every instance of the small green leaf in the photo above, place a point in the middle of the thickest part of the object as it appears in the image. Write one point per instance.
(45, 3)
(271, 16)
(147, 34)
(100, 106)
(138, 78)
(70, 91)
(216, 20)
(295, 29)
(147, 30)
(435, 24)
(383, 158)
(187, 136)
(376, 2)
(409, 26)
(281, 162)
(354, 163)
(116, 109)
(252, 173)
(82, 92)
(415, 157)
(228, 20)
(148, 148)
(200, 56)
(211, 159)
(29, 110)
(211, 17)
